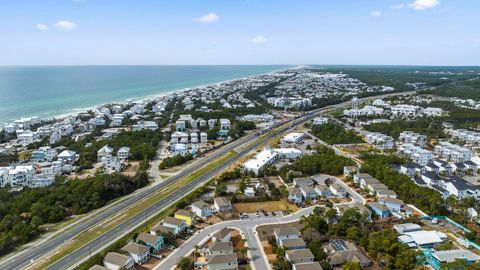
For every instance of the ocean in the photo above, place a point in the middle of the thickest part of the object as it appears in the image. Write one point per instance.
(48, 91)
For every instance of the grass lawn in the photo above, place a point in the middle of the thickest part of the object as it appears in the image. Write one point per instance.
(252, 207)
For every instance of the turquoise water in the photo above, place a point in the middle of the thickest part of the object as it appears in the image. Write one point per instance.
(46, 91)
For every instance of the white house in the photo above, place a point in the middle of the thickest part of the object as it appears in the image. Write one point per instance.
(338, 190)
(104, 151)
(139, 253)
(117, 261)
(201, 209)
(123, 153)
(21, 176)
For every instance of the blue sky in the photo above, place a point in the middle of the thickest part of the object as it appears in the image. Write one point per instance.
(403, 32)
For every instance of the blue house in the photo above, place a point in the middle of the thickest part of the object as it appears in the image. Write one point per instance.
(154, 242)
(394, 205)
(381, 210)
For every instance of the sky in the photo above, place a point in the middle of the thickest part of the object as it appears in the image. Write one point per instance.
(209, 32)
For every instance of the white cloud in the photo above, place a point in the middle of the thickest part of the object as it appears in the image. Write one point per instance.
(259, 39)
(208, 18)
(65, 25)
(424, 4)
(399, 6)
(376, 13)
(41, 27)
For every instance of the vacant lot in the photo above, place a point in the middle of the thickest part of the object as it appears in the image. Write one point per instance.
(252, 207)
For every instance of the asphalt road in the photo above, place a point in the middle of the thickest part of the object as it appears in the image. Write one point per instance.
(37, 252)
(248, 229)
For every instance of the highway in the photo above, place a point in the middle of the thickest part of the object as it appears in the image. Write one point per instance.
(36, 252)
(97, 244)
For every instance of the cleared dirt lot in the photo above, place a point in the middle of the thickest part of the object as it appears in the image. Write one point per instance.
(252, 207)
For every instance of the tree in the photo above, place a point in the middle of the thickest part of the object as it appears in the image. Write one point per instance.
(352, 266)
(282, 264)
(185, 263)
(316, 247)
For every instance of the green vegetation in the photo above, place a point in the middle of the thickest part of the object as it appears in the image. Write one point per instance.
(427, 126)
(175, 161)
(143, 145)
(428, 200)
(398, 76)
(459, 117)
(24, 212)
(467, 89)
(382, 246)
(324, 161)
(334, 133)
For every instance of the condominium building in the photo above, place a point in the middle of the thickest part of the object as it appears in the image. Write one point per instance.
(416, 154)
(452, 152)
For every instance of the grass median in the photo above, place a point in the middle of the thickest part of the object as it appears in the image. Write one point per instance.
(96, 231)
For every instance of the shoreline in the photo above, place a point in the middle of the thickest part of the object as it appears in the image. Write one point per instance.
(76, 111)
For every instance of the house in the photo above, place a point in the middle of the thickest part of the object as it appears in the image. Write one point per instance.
(341, 208)
(139, 253)
(160, 229)
(117, 261)
(295, 256)
(178, 225)
(381, 210)
(407, 227)
(386, 193)
(123, 153)
(180, 125)
(422, 239)
(295, 195)
(294, 243)
(104, 151)
(154, 242)
(323, 190)
(186, 215)
(394, 205)
(303, 182)
(222, 204)
(340, 252)
(348, 170)
(338, 190)
(449, 256)
(249, 192)
(307, 266)
(67, 156)
(201, 209)
(309, 193)
(222, 262)
(223, 235)
(285, 233)
(220, 248)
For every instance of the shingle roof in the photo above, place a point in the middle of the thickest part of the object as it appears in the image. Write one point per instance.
(147, 238)
(295, 254)
(135, 248)
(220, 259)
(173, 221)
(117, 258)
